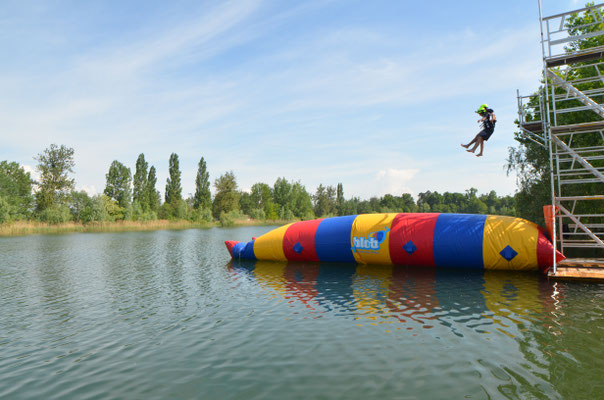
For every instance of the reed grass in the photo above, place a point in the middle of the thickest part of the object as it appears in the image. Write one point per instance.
(22, 228)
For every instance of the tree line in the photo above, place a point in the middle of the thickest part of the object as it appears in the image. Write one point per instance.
(52, 198)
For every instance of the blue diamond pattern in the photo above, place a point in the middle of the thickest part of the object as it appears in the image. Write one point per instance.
(298, 248)
(409, 247)
(508, 253)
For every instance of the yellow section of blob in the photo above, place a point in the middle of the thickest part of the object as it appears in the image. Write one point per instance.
(370, 289)
(370, 238)
(519, 234)
(271, 275)
(270, 245)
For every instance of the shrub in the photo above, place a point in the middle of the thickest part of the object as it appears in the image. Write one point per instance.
(229, 219)
(257, 213)
(226, 219)
(57, 214)
(5, 209)
(201, 215)
(112, 208)
(95, 210)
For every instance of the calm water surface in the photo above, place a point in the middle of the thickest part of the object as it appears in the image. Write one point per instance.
(167, 315)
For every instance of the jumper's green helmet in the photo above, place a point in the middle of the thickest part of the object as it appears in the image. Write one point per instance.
(482, 108)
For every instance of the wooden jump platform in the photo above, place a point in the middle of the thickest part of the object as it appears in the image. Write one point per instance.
(591, 269)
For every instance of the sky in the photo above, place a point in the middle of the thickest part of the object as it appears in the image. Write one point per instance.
(375, 95)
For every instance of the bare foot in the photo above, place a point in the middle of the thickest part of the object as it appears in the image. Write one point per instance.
(478, 155)
(465, 146)
(470, 151)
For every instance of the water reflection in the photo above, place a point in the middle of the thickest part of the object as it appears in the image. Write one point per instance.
(413, 297)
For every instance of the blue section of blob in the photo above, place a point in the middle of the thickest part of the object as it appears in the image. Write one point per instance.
(237, 250)
(247, 251)
(508, 253)
(332, 240)
(458, 240)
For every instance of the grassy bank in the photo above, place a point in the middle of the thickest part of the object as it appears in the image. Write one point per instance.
(21, 228)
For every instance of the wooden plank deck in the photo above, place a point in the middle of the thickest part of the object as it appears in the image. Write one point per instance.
(591, 269)
(592, 53)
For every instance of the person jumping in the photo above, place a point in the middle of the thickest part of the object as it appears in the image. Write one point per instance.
(488, 121)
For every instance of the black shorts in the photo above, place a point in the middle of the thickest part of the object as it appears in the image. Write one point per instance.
(485, 134)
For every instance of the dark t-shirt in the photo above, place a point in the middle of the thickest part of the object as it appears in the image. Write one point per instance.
(489, 124)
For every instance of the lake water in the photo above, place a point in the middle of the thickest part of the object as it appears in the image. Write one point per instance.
(167, 315)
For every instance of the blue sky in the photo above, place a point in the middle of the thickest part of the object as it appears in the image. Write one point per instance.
(376, 95)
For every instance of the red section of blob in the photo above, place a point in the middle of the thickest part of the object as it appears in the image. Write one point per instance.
(230, 244)
(304, 234)
(301, 283)
(545, 256)
(417, 228)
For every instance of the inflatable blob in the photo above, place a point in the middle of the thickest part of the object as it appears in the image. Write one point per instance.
(419, 239)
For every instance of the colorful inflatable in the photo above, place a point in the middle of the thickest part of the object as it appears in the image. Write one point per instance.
(420, 239)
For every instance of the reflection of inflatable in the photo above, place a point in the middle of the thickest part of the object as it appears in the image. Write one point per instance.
(426, 239)
(387, 294)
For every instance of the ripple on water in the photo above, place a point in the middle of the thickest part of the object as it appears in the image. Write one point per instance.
(167, 315)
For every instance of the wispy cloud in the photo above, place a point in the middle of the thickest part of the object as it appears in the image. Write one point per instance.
(336, 102)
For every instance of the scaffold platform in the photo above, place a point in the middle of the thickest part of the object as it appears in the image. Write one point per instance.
(594, 53)
(579, 269)
(572, 92)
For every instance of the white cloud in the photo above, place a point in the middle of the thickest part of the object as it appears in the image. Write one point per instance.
(89, 189)
(394, 181)
(32, 171)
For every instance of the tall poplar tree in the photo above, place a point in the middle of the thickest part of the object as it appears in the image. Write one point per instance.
(173, 187)
(151, 193)
(202, 198)
(139, 182)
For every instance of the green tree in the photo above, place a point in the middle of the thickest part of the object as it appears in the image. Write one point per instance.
(227, 197)
(96, 210)
(139, 183)
(56, 214)
(430, 202)
(112, 208)
(16, 189)
(5, 210)
(203, 197)
(282, 196)
(408, 203)
(78, 204)
(261, 198)
(340, 199)
(325, 201)
(151, 193)
(301, 202)
(474, 205)
(54, 165)
(246, 204)
(118, 184)
(173, 193)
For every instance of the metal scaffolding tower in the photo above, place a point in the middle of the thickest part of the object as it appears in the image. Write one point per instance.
(573, 91)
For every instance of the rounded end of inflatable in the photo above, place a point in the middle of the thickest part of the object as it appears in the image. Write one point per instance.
(229, 245)
(545, 253)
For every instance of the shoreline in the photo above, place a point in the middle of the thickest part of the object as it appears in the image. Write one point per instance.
(26, 228)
